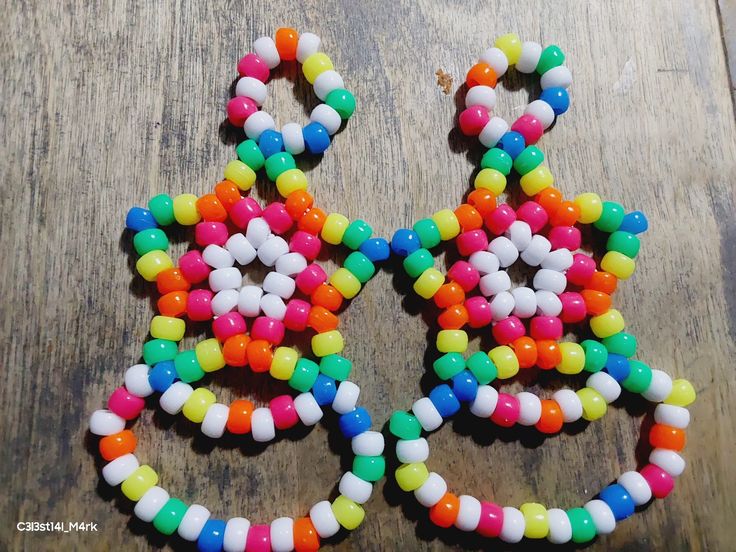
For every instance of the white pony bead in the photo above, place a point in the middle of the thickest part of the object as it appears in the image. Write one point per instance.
(548, 303)
(485, 401)
(151, 503)
(105, 422)
(174, 397)
(280, 285)
(241, 249)
(603, 518)
(671, 415)
(606, 385)
(282, 534)
(251, 88)
(484, 262)
(265, 48)
(327, 117)
(413, 450)
(557, 77)
(542, 111)
(512, 529)
(497, 60)
(293, 138)
(529, 58)
(217, 257)
(225, 278)
(431, 491)
(262, 426)
(354, 488)
(257, 124)
(668, 460)
(505, 250)
(536, 251)
(346, 397)
(326, 82)
(502, 305)
(117, 471)
(494, 283)
(323, 519)
(427, 414)
(307, 45)
(136, 380)
(659, 388)
(307, 409)
(559, 260)
(368, 443)
(215, 420)
(636, 486)
(525, 302)
(193, 522)
(493, 131)
(468, 514)
(560, 529)
(225, 301)
(272, 249)
(520, 234)
(236, 534)
(530, 408)
(291, 264)
(273, 306)
(550, 280)
(481, 95)
(258, 232)
(249, 300)
(570, 405)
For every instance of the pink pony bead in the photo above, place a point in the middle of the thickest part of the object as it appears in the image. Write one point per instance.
(228, 325)
(479, 311)
(507, 410)
(199, 305)
(491, 519)
(533, 214)
(208, 233)
(659, 480)
(193, 267)
(125, 405)
(297, 315)
(305, 243)
(582, 269)
(507, 330)
(573, 307)
(277, 217)
(464, 274)
(267, 328)
(258, 539)
(529, 127)
(283, 412)
(310, 279)
(239, 109)
(244, 211)
(565, 237)
(499, 220)
(472, 241)
(546, 327)
(473, 119)
(252, 65)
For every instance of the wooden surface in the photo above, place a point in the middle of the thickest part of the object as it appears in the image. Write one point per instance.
(106, 104)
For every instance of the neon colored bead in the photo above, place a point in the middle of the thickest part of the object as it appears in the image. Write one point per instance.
(278, 163)
(452, 341)
(634, 222)
(444, 400)
(557, 98)
(619, 500)
(525, 349)
(491, 520)
(658, 480)
(481, 74)
(118, 444)
(162, 209)
(369, 468)
(211, 209)
(258, 539)
(212, 536)
(509, 44)
(573, 358)
(468, 217)
(345, 282)
(335, 367)
(417, 262)
(298, 202)
(583, 529)
(533, 214)
(162, 376)
(334, 228)
(136, 485)
(158, 350)
(152, 239)
(283, 363)
(639, 378)
(491, 180)
(254, 66)
(306, 538)
(124, 404)
(428, 283)
(623, 242)
(241, 174)
(465, 274)
(139, 219)
(152, 264)
(484, 201)
(566, 214)
(166, 327)
(348, 513)
(296, 317)
(316, 138)
(667, 437)
(581, 270)
(565, 237)
(482, 367)
(453, 318)
(404, 425)
(465, 386)
(376, 249)
(536, 180)
(428, 232)
(327, 343)
(497, 159)
(594, 405)
(321, 320)
(286, 41)
(360, 266)
(199, 305)
(596, 302)
(197, 404)
(283, 411)
(209, 355)
(603, 281)
(682, 394)
(548, 354)
(612, 216)
(304, 375)
(354, 422)
(290, 181)
(527, 160)
(472, 120)
(551, 420)
(268, 329)
(530, 128)
(596, 355)
(169, 517)
(449, 294)
(507, 410)
(228, 325)
(328, 297)
(404, 242)
(550, 199)
(499, 220)
(444, 513)
(342, 101)
(505, 360)
(239, 417)
(185, 209)
(512, 143)
(447, 224)
(479, 311)
(607, 324)
(550, 58)
(250, 154)
(187, 367)
(315, 65)
(507, 330)
(618, 264)
(356, 233)
(546, 328)
(536, 524)
(591, 207)
(411, 476)
(234, 350)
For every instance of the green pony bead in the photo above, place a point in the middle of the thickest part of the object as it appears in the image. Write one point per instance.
(624, 242)
(356, 233)
(428, 232)
(497, 159)
(162, 209)
(596, 355)
(528, 160)
(342, 101)
(550, 58)
(250, 154)
(336, 367)
(360, 266)
(611, 218)
(482, 367)
(369, 468)
(449, 365)
(622, 343)
(158, 350)
(169, 517)
(187, 367)
(417, 262)
(304, 376)
(279, 163)
(151, 239)
(581, 522)
(639, 378)
(404, 425)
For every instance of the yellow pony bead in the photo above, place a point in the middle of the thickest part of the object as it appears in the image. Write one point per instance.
(334, 228)
(168, 327)
(536, 180)
(197, 404)
(315, 65)
(349, 514)
(536, 521)
(591, 207)
(607, 324)
(618, 264)
(283, 363)
(153, 262)
(682, 394)
(447, 224)
(509, 44)
(428, 283)
(327, 343)
(139, 482)
(505, 360)
(492, 180)
(412, 476)
(241, 174)
(185, 209)
(594, 405)
(345, 282)
(452, 341)
(291, 181)
(209, 355)
(573, 358)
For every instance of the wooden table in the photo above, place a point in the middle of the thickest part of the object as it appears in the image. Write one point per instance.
(104, 106)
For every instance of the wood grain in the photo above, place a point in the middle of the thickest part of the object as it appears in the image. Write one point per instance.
(106, 104)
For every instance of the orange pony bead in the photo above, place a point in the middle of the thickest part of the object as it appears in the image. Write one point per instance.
(259, 355)
(297, 203)
(468, 217)
(171, 279)
(228, 193)
(483, 201)
(234, 350)
(328, 297)
(449, 294)
(444, 513)
(525, 349)
(453, 318)
(321, 320)
(117, 444)
(211, 209)
(604, 282)
(173, 304)
(548, 354)
(551, 420)
(312, 221)
(306, 538)
(596, 302)
(550, 199)
(566, 214)
(481, 74)
(238, 419)
(667, 437)
(286, 42)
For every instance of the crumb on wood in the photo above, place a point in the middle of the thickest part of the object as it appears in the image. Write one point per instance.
(444, 81)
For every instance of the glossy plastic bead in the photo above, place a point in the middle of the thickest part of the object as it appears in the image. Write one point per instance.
(431, 491)
(444, 512)
(139, 482)
(536, 523)
(119, 469)
(634, 222)
(348, 514)
(427, 414)
(660, 482)
(316, 138)
(468, 516)
(152, 264)
(511, 46)
(327, 343)
(512, 528)
(618, 264)
(151, 504)
(581, 524)
(105, 422)
(162, 209)
(530, 128)
(428, 283)
(506, 412)
(124, 404)
(529, 57)
(607, 324)
(323, 519)
(158, 350)
(117, 444)
(411, 476)
(612, 216)
(258, 539)
(472, 120)
(536, 180)
(619, 500)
